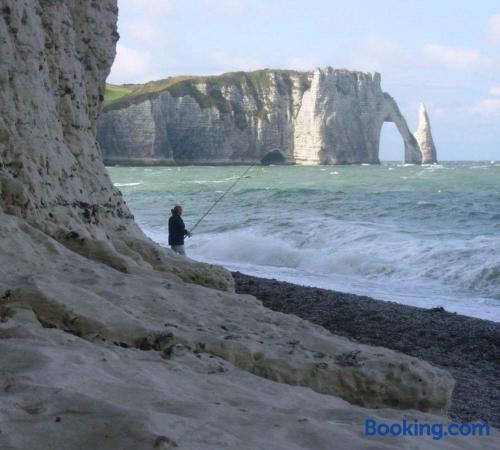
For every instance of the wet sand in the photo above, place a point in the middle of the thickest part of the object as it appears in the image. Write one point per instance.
(467, 347)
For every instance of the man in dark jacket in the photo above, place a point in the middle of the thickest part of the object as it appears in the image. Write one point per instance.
(177, 231)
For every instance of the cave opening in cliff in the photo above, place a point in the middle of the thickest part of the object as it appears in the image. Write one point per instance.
(391, 147)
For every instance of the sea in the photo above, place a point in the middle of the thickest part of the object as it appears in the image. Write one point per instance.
(427, 236)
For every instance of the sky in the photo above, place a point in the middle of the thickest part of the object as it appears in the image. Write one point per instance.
(445, 53)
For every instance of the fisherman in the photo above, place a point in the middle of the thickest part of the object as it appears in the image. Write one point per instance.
(177, 231)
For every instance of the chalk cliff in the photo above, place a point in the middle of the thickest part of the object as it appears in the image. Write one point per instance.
(325, 116)
(54, 59)
(423, 136)
(108, 341)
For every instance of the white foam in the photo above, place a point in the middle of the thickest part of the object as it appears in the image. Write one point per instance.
(224, 180)
(379, 264)
(128, 184)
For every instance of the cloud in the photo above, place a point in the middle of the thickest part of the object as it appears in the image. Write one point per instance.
(457, 58)
(495, 91)
(142, 29)
(269, 10)
(380, 54)
(228, 63)
(131, 66)
(387, 56)
(149, 7)
(144, 21)
(231, 8)
(489, 107)
(494, 29)
(147, 32)
(304, 63)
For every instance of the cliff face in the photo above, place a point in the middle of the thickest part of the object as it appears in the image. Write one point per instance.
(233, 118)
(54, 58)
(321, 117)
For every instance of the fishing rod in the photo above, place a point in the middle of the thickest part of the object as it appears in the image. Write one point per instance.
(222, 196)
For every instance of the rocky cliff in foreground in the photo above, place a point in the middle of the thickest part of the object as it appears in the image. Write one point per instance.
(108, 341)
(322, 117)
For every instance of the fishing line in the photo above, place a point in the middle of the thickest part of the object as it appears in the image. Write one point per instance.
(221, 197)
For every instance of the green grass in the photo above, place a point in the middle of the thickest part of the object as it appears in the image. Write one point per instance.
(252, 83)
(113, 93)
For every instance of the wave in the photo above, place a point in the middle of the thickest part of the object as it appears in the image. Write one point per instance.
(421, 236)
(224, 180)
(384, 257)
(128, 184)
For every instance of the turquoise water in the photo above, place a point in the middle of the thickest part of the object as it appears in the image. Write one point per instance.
(426, 236)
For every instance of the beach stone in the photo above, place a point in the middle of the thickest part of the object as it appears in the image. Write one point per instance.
(468, 347)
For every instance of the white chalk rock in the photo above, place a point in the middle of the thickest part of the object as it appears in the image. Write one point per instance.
(423, 136)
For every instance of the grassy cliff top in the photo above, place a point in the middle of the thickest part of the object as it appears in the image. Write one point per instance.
(254, 83)
(119, 96)
(114, 92)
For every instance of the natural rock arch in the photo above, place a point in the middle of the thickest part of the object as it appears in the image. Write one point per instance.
(391, 146)
(340, 120)
(412, 153)
(326, 116)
